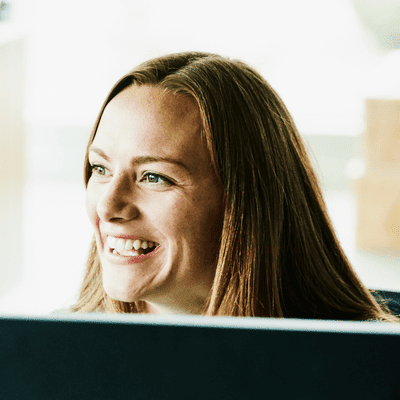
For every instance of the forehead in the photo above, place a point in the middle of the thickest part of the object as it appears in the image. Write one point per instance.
(150, 120)
(150, 100)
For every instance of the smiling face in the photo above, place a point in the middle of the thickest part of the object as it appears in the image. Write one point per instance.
(152, 186)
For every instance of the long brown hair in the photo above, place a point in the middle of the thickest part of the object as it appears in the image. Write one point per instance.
(279, 255)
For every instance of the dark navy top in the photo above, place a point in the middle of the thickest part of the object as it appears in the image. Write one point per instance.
(391, 299)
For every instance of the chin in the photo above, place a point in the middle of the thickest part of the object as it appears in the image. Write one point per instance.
(118, 292)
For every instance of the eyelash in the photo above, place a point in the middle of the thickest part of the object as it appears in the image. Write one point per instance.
(94, 166)
(167, 181)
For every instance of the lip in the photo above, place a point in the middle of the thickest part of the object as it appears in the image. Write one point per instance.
(124, 260)
(124, 236)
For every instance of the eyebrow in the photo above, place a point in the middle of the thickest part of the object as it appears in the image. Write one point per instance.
(139, 160)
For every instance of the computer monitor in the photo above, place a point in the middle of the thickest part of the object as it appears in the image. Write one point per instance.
(139, 357)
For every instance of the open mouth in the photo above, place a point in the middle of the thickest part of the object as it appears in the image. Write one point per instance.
(129, 247)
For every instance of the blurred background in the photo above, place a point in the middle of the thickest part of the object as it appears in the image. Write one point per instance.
(335, 63)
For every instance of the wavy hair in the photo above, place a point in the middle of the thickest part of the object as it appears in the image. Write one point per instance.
(279, 255)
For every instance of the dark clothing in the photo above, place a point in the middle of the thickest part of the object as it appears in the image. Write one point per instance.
(390, 299)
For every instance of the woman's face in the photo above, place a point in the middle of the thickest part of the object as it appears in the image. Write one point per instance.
(153, 187)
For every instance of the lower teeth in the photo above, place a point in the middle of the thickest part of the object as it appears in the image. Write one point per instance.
(132, 252)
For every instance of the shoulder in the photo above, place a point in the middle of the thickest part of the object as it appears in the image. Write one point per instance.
(390, 299)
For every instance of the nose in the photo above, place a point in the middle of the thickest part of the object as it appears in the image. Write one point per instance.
(117, 202)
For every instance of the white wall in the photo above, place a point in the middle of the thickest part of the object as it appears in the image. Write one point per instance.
(315, 53)
(12, 161)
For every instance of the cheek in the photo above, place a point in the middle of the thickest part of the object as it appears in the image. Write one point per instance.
(167, 215)
(91, 205)
(198, 222)
(171, 214)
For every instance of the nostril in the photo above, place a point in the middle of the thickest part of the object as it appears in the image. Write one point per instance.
(117, 210)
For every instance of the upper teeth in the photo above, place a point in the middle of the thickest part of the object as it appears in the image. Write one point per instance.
(129, 244)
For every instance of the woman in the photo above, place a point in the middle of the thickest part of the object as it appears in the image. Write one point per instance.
(204, 201)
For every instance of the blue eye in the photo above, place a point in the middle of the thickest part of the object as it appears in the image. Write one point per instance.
(156, 179)
(98, 169)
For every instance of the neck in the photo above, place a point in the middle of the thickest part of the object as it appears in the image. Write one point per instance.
(173, 309)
